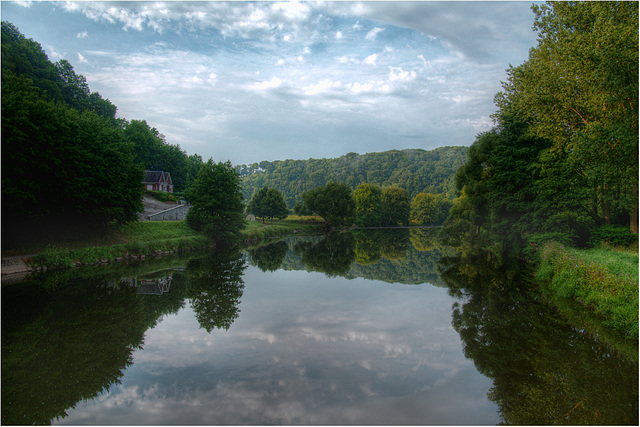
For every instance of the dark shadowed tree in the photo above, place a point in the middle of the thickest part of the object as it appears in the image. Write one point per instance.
(217, 202)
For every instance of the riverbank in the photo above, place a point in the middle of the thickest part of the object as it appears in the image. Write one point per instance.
(604, 281)
(134, 242)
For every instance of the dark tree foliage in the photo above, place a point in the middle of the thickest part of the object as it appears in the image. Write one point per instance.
(69, 166)
(217, 202)
(154, 153)
(62, 171)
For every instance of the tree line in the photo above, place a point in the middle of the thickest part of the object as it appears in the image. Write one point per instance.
(368, 206)
(415, 170)
(69, 166)
(562, 160)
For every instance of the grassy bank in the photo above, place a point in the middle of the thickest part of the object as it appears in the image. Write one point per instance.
(143, 239)
(603, 280)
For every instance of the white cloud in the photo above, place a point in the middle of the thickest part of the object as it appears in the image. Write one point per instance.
(270, 84)
(371, 59)
(322, 87)
(287, 69)
(373, 33)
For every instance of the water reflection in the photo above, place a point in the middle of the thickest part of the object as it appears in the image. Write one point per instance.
(215, 288)
(544, 371)
(171, 346)
(63, 344)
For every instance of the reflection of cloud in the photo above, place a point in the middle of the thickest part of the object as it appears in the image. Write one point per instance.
(356, 355)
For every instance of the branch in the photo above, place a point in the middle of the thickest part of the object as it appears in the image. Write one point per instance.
(576, 111)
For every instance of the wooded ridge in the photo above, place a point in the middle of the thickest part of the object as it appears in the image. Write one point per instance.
(415, 170)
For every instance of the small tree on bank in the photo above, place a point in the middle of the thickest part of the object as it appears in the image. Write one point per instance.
(333, 203)
(431, 209)
(395, 206)
(368, 199)
(216, 197)
(268, 203)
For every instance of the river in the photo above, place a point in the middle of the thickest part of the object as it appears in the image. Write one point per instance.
(360, 328)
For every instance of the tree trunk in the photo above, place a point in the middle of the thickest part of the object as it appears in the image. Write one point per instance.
(634, 220)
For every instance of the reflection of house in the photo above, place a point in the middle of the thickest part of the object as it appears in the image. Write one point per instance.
(154, 286)
(157, 181)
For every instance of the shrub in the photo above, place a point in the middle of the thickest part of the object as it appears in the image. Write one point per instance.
(615, 235)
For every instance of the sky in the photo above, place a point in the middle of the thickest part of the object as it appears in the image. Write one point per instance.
(253, 81)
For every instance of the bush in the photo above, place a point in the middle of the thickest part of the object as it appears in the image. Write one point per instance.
(614, 235)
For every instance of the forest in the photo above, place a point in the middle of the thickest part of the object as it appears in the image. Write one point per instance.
(69, 166)
(416, 171)
(562, 162)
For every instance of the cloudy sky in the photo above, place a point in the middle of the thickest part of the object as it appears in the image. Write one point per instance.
(247, 81)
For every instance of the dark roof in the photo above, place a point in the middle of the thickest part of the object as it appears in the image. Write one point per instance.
(153, 176)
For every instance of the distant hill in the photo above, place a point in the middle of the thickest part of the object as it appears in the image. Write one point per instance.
(415, 170)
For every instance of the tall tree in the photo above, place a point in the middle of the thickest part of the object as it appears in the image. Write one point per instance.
(579, 89)
(217, 202)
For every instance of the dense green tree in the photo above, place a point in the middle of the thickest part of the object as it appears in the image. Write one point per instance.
(417, 171)
(217, 202)
(579, 89)
(268, 203)
(333, 203)
(64, 172)
(368, 199)
(154, 153)
(431, 209)
(395, 206)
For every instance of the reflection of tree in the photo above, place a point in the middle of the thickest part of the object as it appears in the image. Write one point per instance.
(394, 243)
(367, 250)
(425, 239)
(332, 256)
(215, 287)
(269, 258)
(62, 346)
(544, 371)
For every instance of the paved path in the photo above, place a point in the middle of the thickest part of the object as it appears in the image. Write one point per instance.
(152, 206)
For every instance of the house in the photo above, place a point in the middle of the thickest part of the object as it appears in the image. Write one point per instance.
(157, 181)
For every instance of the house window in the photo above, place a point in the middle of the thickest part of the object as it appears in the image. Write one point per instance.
(150, 187)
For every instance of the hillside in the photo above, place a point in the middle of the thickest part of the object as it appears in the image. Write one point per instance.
(414, 170)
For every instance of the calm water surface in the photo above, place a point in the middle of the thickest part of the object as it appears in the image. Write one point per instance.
(341, 331)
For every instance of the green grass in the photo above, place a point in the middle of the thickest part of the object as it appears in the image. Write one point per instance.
(147, 238)
(604, 280)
